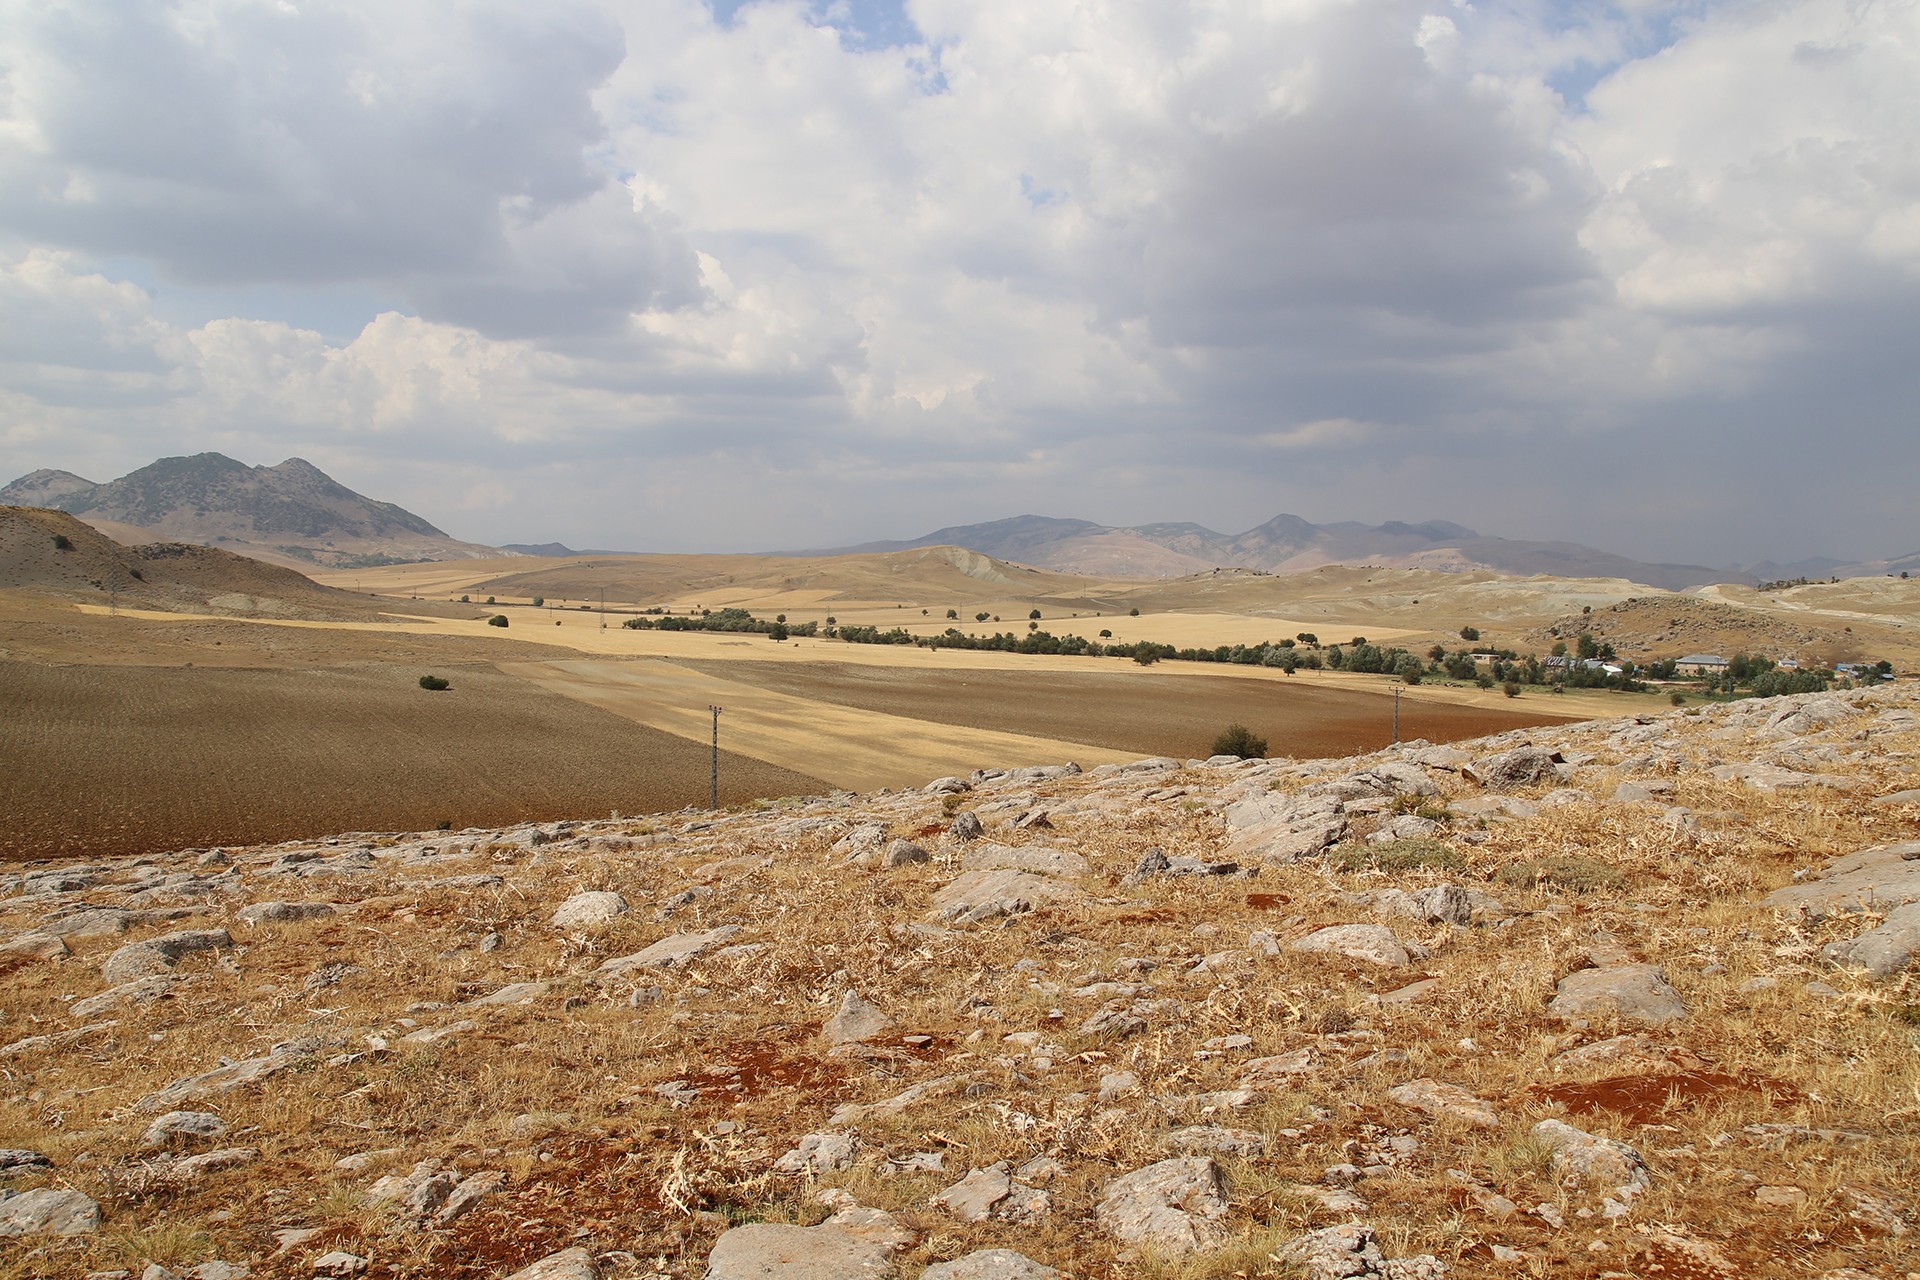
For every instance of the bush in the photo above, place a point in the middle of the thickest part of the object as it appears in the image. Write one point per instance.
(435, 683)
(1035, 614)
(1583, 875)
(1397, 855)
(1145, 657)
(1511, 688)
(1677, 699)
(1133, 613)
(497, 620)
(1238, 740)
(61, 542)
(538, 601)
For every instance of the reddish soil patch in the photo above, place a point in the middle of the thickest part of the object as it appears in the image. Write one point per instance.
(931, 829)
(1646, 1099)
(752, 1070)
(1268, 901)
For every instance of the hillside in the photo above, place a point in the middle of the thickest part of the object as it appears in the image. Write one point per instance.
(292, 513)
(1619, 998)
(172, 576)
(1285, 544)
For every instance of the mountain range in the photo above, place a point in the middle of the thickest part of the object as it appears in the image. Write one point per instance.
(295, 514)
(1289, 544)
(291, 514)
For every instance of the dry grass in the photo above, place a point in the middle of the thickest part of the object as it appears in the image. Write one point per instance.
(562, 1094)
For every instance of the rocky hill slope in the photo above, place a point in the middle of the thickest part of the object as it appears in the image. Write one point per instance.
(1622, 998)
(291, 513)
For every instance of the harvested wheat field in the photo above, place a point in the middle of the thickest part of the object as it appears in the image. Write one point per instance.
(1627, 998)
(1130, 710)
(106, 760)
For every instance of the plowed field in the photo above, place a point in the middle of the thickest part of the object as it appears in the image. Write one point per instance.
(105, 760)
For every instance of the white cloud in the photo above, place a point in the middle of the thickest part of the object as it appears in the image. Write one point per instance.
(1059, 255)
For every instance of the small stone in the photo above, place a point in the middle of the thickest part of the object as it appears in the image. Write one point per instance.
(993, 1193)
(900, 853)
(818, 1153)
(1589, 1162)
(855, 1021)
(176, 1127)
(193, 1168)
(568, 1264)
(1636, 993)
(992, 1264)
(1373, 943)
(339, 1265)
(1787, 1197)
(1450, 1101)
(588, 910)
(15, 1161)
(853, 1243)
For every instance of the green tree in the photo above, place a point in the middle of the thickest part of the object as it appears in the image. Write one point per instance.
(1133, 613)
(1035, 614)
(1469, 633)
(953, 614)
(1238, 740)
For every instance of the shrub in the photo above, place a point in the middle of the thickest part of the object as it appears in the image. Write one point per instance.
(1397, 855)
(1035, 614)
(981, 617)
(953, 615)
(1511, 688)
(1469, 633)
(1105, 634)
(61, 542)
(490, 600)
(778, 631)
(1677, 699)
(1145, 657)
(497, 620)
(539, 601)
(435, 683)
(464, 600)
(1238, 740)
(1583, 875)
(1133, 613)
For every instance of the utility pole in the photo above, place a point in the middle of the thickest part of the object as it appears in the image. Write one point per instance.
(713, 778)
(603, 608)
(1396, 713)
(113, 584)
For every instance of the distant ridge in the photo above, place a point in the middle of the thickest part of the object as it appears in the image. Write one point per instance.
(292, 514)
(1285, 544)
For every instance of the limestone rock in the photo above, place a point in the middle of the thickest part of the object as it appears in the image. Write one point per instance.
(339, 1265)
(260, 913)
(1636, 993)
(900, 853)
(855, 1021)
(177, 1127)
(1374, 943)
(588, 910)
(977, 896)
(966, 826)
(854, 1242)
(1585, 1161)
(818, 1153)
(1034, 858)
(1883, 951)
(155, 956)
(193, 1168)
(568, 1264)
(1173, 1206)
(1877, 878)
(1351, 1252)
(668, 953)
(1198, 1139)
(223, 1079)
(1511, 770)
(48, 1211)
(992, 1264)
(511, 994)
(992, 1192)
(139, 991)
(1448, 1101)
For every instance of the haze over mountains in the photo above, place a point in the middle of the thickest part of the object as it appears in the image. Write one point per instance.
(295, 514)
(1287, 544)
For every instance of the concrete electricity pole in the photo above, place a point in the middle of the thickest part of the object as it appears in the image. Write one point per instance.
(713, 778)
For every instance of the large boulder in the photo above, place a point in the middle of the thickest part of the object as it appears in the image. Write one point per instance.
(588, 910)
(1884, 951)
(668, 953)
(48, 1211)
(1511, 770)
(976, 896)
(156, 956)
(992, 1264)
(1374, 943)
(1588, 1162)
(1869, 879)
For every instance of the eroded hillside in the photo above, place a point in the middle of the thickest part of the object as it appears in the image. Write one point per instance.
(1581, 1001)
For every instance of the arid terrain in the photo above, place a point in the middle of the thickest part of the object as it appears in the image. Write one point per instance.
(1619, 998)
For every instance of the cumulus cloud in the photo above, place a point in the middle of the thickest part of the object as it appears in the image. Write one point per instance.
(887, 265)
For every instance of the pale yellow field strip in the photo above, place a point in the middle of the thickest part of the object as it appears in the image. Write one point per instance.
(848, 747)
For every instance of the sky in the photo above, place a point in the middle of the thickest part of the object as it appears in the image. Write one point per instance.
(703, 275)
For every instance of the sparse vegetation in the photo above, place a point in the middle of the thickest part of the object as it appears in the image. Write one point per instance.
(61, 542)
(435, 683)
(1415, 854)
(497, 620)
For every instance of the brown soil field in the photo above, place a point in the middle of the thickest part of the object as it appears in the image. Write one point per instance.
(104, 760)
(1170, 715)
